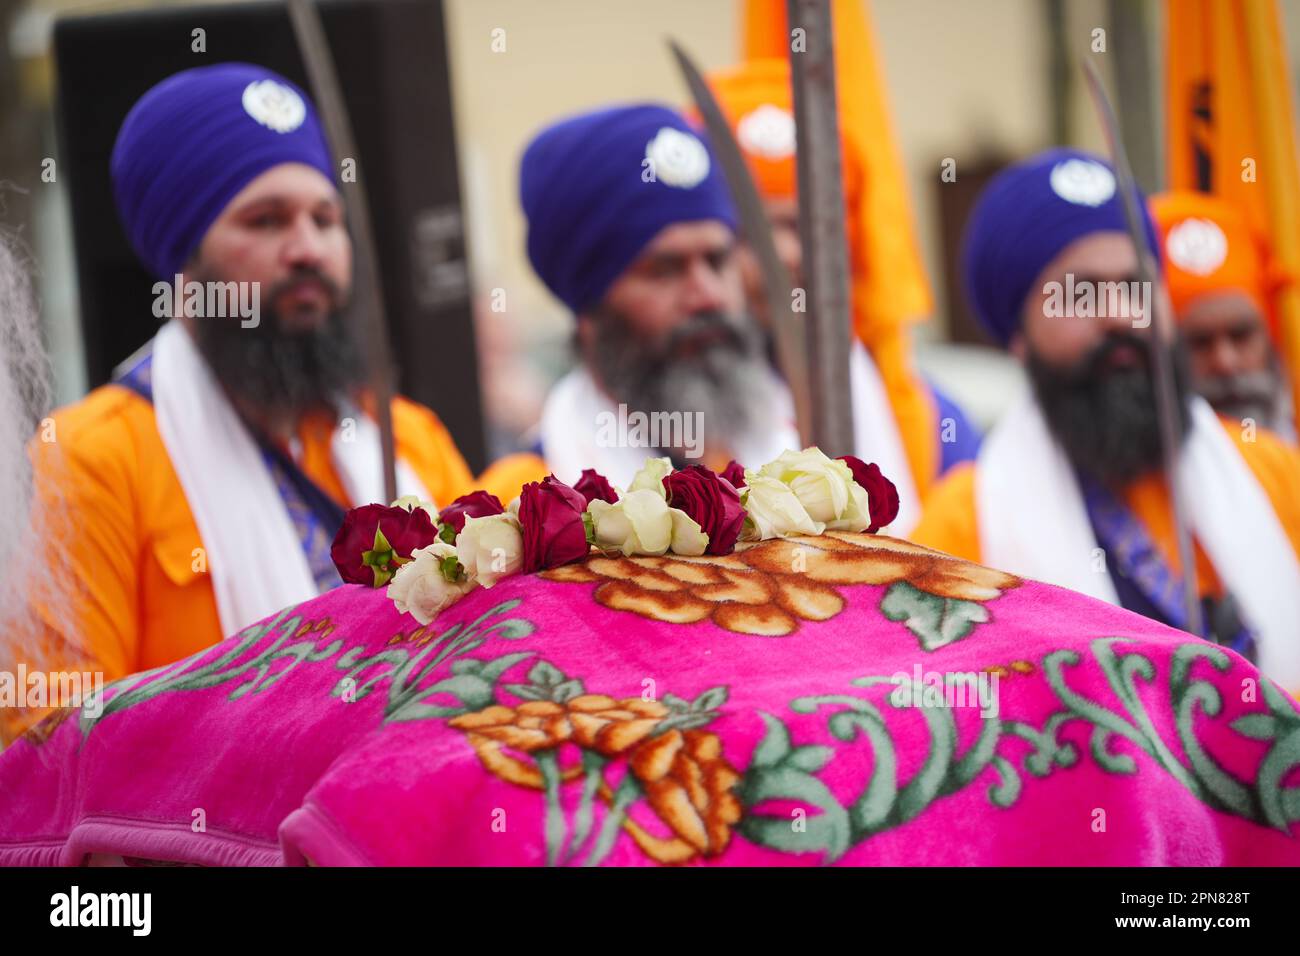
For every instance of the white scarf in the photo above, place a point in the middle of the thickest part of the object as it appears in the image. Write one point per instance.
(1033, 522)
(253, 552)
(574, 406)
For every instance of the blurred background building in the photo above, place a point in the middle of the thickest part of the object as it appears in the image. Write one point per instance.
(979, 82)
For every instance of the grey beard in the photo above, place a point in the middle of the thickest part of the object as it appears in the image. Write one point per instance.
(35, 572)
(728, 383)
(1259, 396)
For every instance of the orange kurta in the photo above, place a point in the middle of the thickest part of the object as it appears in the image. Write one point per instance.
(132, 549)
(949, 521)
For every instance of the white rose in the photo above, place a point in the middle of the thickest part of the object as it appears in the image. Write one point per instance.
(639, 523)
(822, 485)
(651, 476)
(419, 587)
(688, 538)
(775, 510)
(858, 515)
(411, 502)
(490, 548)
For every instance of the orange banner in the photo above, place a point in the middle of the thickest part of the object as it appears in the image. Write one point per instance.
(1231, 131)
(890, 286)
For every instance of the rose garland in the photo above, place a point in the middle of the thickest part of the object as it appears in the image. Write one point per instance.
(430, 559)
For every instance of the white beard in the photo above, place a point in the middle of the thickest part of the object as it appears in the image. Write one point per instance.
(26, 576)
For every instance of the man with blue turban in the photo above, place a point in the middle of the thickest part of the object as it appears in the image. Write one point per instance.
(208, 480)
(1069, 487)
(631, 226)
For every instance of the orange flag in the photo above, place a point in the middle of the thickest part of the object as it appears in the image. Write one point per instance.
(1231, 131)
(889, 276)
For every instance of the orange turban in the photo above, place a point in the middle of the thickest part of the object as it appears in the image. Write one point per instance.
(1208, 246)
(756, 99)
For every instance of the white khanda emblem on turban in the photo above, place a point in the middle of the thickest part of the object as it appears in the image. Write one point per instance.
(1083, 182)
(274, 105)
(678, 158)
(1197, 246)
(767, 131)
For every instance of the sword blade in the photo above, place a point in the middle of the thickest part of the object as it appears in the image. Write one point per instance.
(1167, 410)
(789, 331)
(367, 297)
(821, 224)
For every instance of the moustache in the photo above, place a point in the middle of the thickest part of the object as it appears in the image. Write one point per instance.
(332, 291)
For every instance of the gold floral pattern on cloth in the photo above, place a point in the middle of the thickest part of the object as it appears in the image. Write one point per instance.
(683, 774)
(42, 730)
(766, 588)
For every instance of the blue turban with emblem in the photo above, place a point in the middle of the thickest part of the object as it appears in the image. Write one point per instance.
(596, 188)
(195, 140)
(1025, 218)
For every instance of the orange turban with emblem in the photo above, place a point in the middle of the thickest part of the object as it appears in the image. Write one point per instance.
(757, 100)
(1208, 246)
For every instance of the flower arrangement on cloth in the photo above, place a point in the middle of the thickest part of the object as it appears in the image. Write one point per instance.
(430, 559)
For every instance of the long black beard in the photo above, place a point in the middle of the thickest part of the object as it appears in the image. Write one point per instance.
(727, 382)
(1106, 420)
(290, 372)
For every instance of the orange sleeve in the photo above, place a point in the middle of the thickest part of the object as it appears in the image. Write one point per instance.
(426, 445)
(507, 476)
(948, 519)
(1276, 466)
(83, 614)
(424, 442)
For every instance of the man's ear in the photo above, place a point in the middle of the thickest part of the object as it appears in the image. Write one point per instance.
(1018, 346)
(584, 335)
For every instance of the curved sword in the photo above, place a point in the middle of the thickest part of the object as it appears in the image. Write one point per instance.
(1165, 393)
(368, 297)
(791, 336)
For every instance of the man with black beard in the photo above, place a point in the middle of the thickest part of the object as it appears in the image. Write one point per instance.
(631, 226)
(1068, 488)
(205, 484)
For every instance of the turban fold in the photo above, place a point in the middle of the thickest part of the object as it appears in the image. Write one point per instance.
(1025, 217)
(596, 188)
(193, 141)
(1209, 246)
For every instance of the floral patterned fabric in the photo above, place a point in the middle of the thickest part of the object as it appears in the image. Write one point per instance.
(798, 702)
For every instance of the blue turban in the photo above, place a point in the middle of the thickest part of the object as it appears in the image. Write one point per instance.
(1023, 220)
(593, 204)
(195, 140)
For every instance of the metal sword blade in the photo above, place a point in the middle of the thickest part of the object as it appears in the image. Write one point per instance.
(367, 298)
(1165, 393)
(789, 330)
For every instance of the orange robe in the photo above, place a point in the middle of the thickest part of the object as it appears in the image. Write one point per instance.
(949, 520)
(131, 547)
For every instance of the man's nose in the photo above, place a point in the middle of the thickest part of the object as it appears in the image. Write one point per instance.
(1222, 358)
(305, 244)
(705, 290)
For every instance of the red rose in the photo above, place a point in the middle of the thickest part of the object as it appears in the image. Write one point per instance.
(477, 504)
(882, 496)
(550, 519)
(710, 502)
(735, 473)
(593, 486)
(376, 539)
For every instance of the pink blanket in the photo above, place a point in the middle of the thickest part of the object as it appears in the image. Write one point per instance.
(846, 699)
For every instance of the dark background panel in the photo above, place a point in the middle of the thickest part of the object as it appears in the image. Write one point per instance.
(391, 57)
